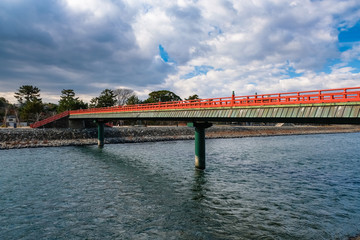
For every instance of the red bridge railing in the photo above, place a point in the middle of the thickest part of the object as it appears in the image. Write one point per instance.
(304, 97)
(50, 119)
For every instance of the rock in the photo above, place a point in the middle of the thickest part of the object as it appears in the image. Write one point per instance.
(20, 138)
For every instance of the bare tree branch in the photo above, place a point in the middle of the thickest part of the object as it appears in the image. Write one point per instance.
(122, 95)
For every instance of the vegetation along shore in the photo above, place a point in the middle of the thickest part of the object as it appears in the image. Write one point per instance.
(25, 137)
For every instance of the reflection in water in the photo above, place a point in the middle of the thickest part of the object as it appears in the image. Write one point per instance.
(294, 187)
(198, 185)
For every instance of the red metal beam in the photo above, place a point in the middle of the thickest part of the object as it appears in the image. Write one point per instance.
(50, 119)
(304, 97)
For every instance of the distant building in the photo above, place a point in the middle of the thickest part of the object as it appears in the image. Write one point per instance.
(11, 121)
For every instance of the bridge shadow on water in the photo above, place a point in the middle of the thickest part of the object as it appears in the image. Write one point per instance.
(158, 202)
(275, 191)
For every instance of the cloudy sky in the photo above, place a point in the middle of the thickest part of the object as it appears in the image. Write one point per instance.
(209, 48)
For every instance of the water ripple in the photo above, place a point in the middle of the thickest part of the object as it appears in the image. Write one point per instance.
(289, 187)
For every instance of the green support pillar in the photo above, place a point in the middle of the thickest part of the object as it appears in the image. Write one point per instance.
(100, 133)
(200, 143)
(200, 147)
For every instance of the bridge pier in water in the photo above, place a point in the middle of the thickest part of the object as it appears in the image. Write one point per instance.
(200, 152)
(100, 133)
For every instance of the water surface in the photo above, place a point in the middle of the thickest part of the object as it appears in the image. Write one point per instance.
(285, 187)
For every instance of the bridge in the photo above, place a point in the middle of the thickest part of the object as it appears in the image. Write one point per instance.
(330, 106)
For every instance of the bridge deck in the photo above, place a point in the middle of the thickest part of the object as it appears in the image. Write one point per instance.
(320, 106)
(309, 113)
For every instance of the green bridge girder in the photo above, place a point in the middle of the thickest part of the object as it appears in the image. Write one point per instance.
(347, 113)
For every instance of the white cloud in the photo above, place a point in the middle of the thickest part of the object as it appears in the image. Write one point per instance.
(95, 10)
(151, 28)
(260, 40)
(252, 46)
(351, 54)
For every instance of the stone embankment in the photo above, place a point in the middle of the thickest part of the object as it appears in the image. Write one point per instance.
(24, 138)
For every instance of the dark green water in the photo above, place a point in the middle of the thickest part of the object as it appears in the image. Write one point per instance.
(290, 187)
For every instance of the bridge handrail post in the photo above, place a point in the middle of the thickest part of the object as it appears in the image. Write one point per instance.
(233, 99)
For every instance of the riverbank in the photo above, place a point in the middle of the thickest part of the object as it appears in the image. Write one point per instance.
(25, 137)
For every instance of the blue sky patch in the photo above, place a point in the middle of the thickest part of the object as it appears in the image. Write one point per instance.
(292, 72)
(347, 37)
(198, 70)
(329, 65)
(164, 55)
(215, 31)
(356, 65)
(344, 46)
(351, 34)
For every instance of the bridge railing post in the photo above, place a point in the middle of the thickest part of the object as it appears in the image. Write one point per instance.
(233, 98)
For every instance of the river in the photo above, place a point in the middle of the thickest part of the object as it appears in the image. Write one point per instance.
(281, 187)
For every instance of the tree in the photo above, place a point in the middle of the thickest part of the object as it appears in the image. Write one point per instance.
(30, 103)
(193, 97)
(3, 102)
(107, 98)
(50, 109)
(4, 109)
(162, 96)
(27, 92)
(68, 101)
(31, 110)
(133, 100)
(122, 95)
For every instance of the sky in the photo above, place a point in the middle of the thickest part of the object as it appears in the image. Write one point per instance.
(208, 48)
